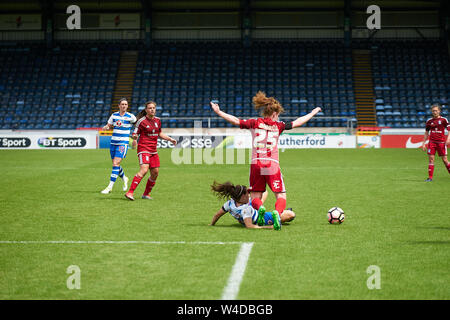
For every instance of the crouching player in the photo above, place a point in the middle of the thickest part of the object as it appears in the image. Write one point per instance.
(240, 207)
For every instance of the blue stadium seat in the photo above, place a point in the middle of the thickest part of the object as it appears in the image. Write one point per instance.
(408, 75)
(73, 84)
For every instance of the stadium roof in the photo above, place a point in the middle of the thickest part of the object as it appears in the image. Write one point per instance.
(23, 6)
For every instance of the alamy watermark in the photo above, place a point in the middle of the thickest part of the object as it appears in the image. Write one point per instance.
(374, 280)
(374, 21)
(214, 146)
(74, 280)
(73, 22)
(211, 146)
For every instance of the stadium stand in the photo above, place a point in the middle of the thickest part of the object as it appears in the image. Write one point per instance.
(62, 88)
(183, 76)
(409, 76)
(72, 85)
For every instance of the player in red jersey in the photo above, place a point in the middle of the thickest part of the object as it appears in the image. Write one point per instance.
(265, 168)
(435, 131)
(148, 129)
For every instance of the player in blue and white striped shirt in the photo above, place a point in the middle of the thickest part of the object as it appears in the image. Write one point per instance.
(240, 207)
(121, 122)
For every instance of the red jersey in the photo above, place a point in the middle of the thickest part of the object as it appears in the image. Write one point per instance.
(148, 131)
(265, 136)
(436, 129)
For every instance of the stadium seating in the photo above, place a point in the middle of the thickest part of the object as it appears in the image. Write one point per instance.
(409, 76)
(182, 77)
(62, 88)
(71, 86)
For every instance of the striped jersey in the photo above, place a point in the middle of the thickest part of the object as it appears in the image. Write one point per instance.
(242, 212)
(122, 127)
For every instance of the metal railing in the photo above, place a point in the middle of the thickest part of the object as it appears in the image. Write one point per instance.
(350, 121)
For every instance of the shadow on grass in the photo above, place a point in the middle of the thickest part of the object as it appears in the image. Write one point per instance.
(444, 242)
(421, 181)
(218, 226)
(228, 225)
(117, 199)
(435, 228)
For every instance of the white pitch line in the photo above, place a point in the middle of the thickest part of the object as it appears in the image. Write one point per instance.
(118, 242)
(237, 273)
(234, 281)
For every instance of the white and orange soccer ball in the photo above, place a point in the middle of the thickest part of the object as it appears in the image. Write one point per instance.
(335, 215)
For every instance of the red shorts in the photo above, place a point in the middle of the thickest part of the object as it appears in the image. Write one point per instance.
(150, 159)
(262, 174)
(441, 148)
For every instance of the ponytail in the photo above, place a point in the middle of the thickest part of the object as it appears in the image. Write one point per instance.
(228, 190)
(267, 105)
(143, 113)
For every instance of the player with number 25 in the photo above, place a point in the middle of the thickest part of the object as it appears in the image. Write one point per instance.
(265, 167)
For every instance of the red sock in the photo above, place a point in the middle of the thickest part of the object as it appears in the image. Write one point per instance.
(256, 203)
(149, 186)
(280, 205)
(430, 170)
(448, 167)
(135, 183)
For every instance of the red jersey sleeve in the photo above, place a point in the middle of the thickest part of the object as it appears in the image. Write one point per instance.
(281, 126)
(137, 128)
(247, 124)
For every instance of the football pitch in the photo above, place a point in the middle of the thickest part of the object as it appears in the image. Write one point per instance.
(393, 244)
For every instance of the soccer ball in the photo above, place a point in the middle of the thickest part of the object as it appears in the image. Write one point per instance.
(335, 215)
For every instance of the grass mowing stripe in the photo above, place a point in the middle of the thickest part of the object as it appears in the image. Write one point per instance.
(394, 220)
(237, 273)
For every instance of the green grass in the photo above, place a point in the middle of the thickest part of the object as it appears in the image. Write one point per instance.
(393, 220)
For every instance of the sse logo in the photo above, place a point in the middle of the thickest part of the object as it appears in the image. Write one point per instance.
(51, 142)
(190, 142)
(14, 142)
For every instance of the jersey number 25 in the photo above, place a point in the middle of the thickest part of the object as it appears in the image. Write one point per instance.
(269, 136)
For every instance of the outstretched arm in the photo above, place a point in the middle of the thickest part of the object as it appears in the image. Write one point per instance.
(166, 137)
(217, 216)
(249, 224)
(302, 120)
(228, 117)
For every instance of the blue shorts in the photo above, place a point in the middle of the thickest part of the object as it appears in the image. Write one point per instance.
(119, 151)
(268, 221)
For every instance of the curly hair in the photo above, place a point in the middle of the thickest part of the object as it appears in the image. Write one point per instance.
(267, 105)
(228, 190)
